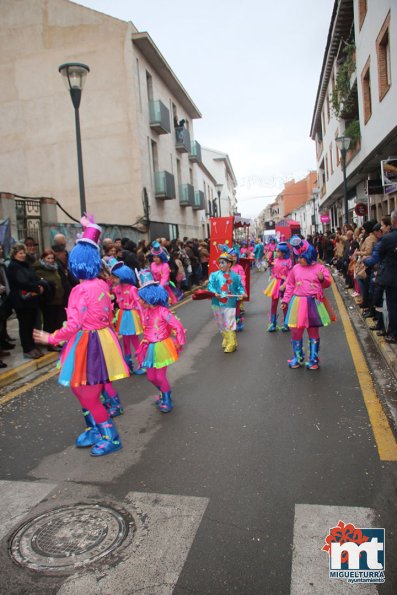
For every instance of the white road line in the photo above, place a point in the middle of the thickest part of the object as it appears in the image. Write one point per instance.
(17, 498)
(310, 565)
(166, 527)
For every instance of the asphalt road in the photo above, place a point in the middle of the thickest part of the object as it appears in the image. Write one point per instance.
(255, 451)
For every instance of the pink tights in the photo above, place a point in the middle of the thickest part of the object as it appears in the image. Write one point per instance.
(89, 397)
(129, 340)
(158, 377)
(273, 309)
(297, 333)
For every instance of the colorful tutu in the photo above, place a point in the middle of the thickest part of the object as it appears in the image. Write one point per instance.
(273, 289)
(157, 355)
(305, 312)
(128, 322)
(92, 357)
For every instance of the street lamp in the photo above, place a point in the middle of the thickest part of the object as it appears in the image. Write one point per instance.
(74, 75)
(343, 143)
(219, 191)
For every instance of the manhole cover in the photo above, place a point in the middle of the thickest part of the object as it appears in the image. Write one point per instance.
(68, 537)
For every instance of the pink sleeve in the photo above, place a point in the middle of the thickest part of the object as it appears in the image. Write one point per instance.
(243, 278)
(290, 286)
(327, 277)
(165, 274)
(73, 323)
(176, 325)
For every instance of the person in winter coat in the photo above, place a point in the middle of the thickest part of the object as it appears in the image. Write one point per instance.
(52, 300)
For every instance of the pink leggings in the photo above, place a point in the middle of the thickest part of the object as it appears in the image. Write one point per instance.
(89, 397)
(129, 340)
(297, 333)
(158, 377)
(274, 308)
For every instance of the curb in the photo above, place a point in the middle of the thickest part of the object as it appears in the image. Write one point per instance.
(19, 372)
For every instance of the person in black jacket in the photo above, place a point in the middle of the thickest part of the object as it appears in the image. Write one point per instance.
(25, 290)
(387, 275)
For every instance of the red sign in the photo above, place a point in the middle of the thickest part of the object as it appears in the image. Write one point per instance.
(361, 209)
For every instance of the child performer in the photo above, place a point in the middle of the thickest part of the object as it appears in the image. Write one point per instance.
(238, 269)
(227, 287)
(158, 349)
(275, 289)
(161, 272)
(128, 320)
(92, 356)
(304, 298)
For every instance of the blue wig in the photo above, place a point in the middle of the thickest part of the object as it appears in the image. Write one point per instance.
(155, 295)
(162, 256)
(84, 261)
(284, 249)
(310, 255)
(125, 274)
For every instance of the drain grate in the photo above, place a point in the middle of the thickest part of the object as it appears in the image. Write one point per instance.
(69, 537)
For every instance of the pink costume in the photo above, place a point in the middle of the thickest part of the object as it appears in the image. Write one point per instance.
(161, 273)
(128, 319)
(281, 268)
(237, 268)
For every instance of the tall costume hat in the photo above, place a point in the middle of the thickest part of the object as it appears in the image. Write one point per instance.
(157, 250)
(226, 252)
(303, 249)
(121, 271)
(84, 260)
(145, 278)
(150, 291)
(114, 264)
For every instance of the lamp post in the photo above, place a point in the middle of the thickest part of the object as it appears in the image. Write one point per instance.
(74, 75)
(219, 192)
(343, 143)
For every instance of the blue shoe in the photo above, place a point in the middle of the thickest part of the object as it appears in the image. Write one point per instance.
(273, 324)
(91, 434)
(298, 359)
(109, 442)
(285, 328)
(112, 404)
(313, 363)
(140, 371)
(166, 405)
(128, 361)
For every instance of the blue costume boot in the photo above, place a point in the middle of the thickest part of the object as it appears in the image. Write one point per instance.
(313, 363)
(273, 324)
(128, 361)
(297, 360)
(91, 434)
(285, 328)
(166, 405)
(112, 404)
(109, 442)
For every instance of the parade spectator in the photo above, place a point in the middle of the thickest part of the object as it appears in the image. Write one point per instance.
(60, 240)
(204, 255)
(31, 247)
(387, 275)
(52, 299)
(194, 257)
(368, 241)
(128, 255)
(328, 248)
(68, 281)
(25, 289)
(5, 307)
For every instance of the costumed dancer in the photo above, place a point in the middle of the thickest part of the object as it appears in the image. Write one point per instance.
(127, 320)
(161, 272)
(227, 289)
(275, 289)
(270, 250)
(92, 356)
(239, 270)
(307, 306)
(163, 336)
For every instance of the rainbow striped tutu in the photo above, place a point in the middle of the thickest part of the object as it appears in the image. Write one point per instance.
(273, 289)
(128, 322)
(92, 357)
(157, 355)
(305, 312)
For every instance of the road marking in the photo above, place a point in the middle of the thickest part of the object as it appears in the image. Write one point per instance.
(384, 437)
(17, 498)
(166, 526)
(29, 385)
(310, 565)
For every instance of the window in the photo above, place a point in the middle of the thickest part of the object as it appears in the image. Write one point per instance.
(327, 106)
(326, 167)
(331, 166)
(149, 85)
(337, 158)
(362, 11)
(383, 56)
(366, 86)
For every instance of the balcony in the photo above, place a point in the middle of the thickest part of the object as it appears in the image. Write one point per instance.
(198, 200)
(195, 153)
(182, 139)
(186, 195)
(159, 117)
(164, 184)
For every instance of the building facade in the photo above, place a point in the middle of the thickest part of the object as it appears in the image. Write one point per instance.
(142, 164)
(356, 98)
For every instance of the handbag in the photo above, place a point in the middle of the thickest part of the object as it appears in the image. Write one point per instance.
(360, 271)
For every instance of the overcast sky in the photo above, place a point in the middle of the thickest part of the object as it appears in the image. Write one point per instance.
(252, 67)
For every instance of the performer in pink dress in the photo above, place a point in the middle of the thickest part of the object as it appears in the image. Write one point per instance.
(163, 337)
(91, 356)
(307, 306)
(161, 272)
(237, 268)
(281, 267)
